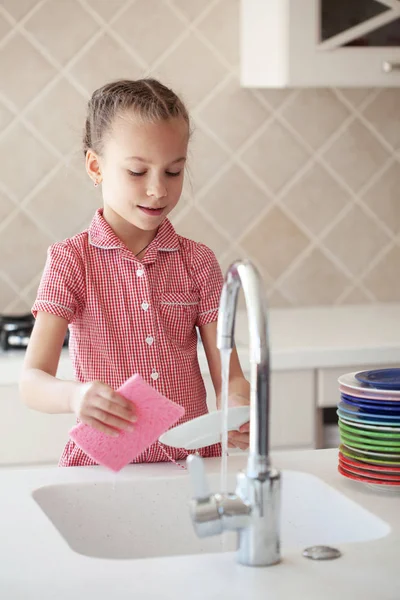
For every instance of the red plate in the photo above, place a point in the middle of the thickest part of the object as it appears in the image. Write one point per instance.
(366, 479)
(368, 466)
(371, 474)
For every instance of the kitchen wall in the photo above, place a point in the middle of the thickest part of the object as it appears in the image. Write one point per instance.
(305, 182)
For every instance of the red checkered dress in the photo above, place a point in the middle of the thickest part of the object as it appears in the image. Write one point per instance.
(128, 316)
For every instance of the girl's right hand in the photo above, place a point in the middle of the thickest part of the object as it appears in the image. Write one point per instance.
(99, 406)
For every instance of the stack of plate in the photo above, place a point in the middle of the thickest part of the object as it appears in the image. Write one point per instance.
(369, 424)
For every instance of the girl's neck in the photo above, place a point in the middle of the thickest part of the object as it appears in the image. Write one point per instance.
(134, 238)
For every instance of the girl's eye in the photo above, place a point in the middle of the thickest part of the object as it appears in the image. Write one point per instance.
(169, 173)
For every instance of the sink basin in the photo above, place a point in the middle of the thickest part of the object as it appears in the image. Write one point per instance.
(150, 518)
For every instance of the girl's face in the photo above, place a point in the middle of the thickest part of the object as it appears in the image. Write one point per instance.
(142, 169)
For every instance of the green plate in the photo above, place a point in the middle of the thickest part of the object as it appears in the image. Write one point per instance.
(384, 427)
(369, 444)
(369, 441)
(366, 459)
(367, 433)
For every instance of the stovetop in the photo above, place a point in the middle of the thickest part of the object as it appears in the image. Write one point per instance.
(15, 331)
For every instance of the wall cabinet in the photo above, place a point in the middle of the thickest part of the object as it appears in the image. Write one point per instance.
(320, 43)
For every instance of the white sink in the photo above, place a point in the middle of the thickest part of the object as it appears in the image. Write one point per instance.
(150, 518)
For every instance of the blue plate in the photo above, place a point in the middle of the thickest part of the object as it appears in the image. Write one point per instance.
(345, 410)
(371, 402)
(381, 379)
(363, 414)
(370, 407)
(367, 420)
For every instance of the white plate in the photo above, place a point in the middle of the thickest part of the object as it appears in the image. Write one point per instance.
(205, 430)
(349, 384)
(382, 428)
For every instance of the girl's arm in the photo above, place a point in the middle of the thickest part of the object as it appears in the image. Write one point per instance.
(239, 387)
(94, 403)
(38, 386)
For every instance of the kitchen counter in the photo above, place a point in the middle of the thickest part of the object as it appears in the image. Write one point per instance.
(301, 338)
(36, 563)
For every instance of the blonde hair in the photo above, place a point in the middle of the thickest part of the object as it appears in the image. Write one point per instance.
(148, 98)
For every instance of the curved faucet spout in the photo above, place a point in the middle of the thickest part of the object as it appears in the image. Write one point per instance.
(243, 274)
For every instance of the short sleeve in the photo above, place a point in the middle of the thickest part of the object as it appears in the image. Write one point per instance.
(209, 281)
(61, 289)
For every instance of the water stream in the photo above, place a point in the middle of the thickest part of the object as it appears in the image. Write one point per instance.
(225, 362)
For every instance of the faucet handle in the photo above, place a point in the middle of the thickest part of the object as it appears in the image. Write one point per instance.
(204, 507)
(195, 465)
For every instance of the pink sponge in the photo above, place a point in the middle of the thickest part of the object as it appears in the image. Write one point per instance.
(155, 415)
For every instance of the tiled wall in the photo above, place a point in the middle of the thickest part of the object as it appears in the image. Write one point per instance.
(305, 182)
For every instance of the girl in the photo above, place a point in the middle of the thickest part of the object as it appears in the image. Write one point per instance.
(130, 289)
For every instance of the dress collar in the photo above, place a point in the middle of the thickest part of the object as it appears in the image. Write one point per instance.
(101, 235)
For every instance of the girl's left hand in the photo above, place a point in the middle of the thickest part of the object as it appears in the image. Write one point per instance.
(239, 439)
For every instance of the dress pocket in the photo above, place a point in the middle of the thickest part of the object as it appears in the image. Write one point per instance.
(178, 316)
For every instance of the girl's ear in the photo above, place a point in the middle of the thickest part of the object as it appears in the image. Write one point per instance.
(93, 167)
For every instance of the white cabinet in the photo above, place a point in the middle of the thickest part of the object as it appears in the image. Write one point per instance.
(293, 414)
(28, 437)
(320, 43)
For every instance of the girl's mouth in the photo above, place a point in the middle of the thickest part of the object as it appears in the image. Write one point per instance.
(153, 212)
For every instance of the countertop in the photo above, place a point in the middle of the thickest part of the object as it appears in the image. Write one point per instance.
(300, 338)
(36, 563)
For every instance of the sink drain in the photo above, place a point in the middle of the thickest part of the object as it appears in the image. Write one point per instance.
(321, 553)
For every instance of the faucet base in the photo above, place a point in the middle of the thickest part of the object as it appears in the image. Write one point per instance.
(259, 544)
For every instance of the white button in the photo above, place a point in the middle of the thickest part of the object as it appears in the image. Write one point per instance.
(149, 340)
(154, 375)
(145, 305)
(140, 272)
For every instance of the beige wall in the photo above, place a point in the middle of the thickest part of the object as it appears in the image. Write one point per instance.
(304, 182)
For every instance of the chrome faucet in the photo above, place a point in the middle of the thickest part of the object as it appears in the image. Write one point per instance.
(253, 511)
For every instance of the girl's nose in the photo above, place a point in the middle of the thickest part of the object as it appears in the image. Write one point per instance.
(157, 189)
